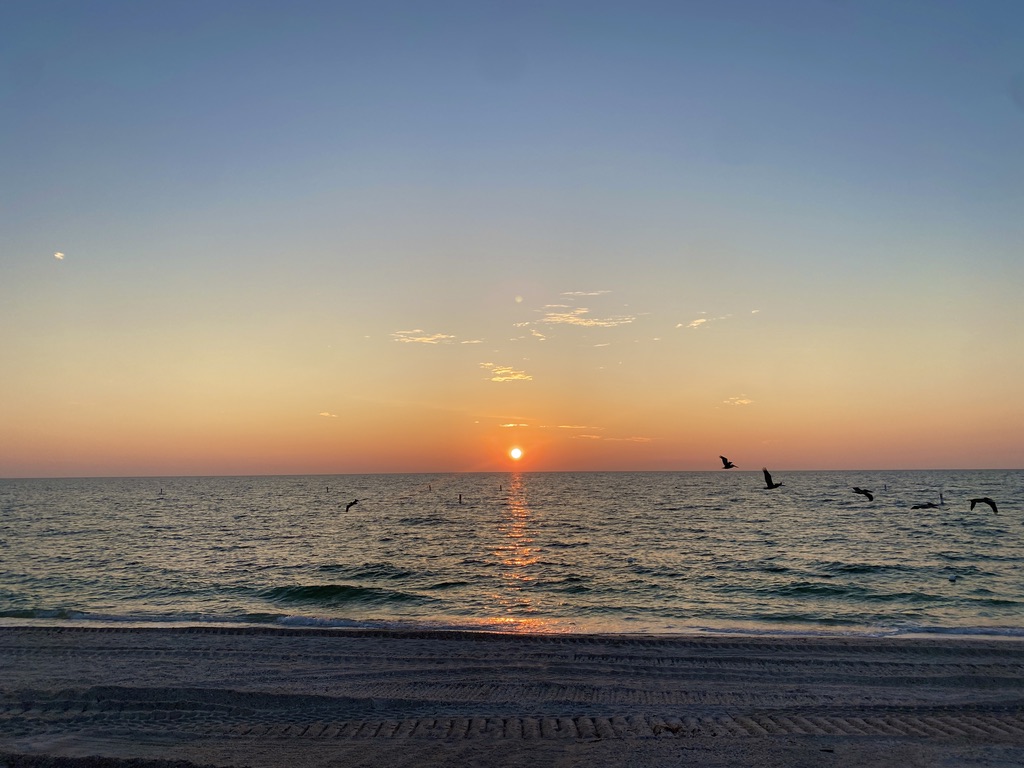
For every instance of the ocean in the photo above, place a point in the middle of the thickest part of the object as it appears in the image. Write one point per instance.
(617, 552)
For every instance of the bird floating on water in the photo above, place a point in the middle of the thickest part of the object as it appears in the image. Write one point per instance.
(926, 505)
(726, 464)
(768, 479)
(985, 500)
(351, 504)
(867, 494)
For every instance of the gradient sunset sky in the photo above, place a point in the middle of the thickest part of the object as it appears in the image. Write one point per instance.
(269, 237)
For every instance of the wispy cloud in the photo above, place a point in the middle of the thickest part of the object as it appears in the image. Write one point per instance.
(505, 373)
(512, 424)
(741, 400)
(701, 321)
(589, 436)
(58, 256)
(585, 293)
(328, 415)
(538, 335)
(419, 336)
(754, 311)
(472, 341)
(581, 316)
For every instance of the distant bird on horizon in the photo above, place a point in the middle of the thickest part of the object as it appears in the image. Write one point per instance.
(726, 464)
(870, 496)
(985, 500)
(926, 505)
(768, 480)
(351, 504)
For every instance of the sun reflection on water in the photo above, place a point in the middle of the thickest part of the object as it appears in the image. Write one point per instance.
(517, 557)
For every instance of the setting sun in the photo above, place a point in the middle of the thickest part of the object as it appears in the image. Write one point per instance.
(516, 453)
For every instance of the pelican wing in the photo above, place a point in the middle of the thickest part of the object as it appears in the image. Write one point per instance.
(985, 500)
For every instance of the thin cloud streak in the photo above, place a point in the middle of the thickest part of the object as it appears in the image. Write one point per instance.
(741, 400)
(419, 336)
(505, 373)
(581, 316)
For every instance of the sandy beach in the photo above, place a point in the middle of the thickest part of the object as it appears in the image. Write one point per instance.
(265, 697)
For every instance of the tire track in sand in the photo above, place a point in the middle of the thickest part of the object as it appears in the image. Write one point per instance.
(322, 685)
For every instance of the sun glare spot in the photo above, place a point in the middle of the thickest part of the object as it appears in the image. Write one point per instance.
(516, 453)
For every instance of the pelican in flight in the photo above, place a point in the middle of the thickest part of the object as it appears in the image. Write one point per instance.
(985, 500)
(926, 505)
(768, 479)
(726, 464)
(351, 504)
(866, 494)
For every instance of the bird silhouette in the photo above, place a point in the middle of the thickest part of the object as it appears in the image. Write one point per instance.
(351, 504)
(768, 479)
(726, 464)
(867, 494)
(985, 500)
(926, 505)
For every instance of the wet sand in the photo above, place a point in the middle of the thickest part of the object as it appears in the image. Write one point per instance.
(268, 697)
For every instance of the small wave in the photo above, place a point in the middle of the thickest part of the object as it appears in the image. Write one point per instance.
(851, 592)
(571, 585)
(448, 585)
(368, 571)
(860, 568)
(39, 613)
(421, 520)
(337, 594)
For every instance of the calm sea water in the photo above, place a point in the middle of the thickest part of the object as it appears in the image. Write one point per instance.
(554, 552)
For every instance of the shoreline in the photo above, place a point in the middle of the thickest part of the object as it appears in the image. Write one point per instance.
(399, 626)
(276, 696)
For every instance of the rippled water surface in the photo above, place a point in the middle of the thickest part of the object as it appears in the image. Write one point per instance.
(619, 552)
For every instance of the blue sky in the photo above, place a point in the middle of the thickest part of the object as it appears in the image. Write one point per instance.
(269, 195)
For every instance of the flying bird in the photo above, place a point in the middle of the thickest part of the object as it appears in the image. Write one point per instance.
(351, 504)
(985, 500)
(768, 479)
(867, 494)
(926, 505)
(726, 464)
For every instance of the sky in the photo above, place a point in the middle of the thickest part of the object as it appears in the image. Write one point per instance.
(346, 237)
